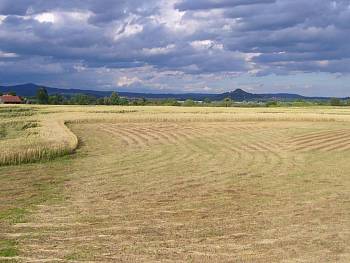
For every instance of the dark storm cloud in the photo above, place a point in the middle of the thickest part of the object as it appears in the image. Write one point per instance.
(251, 37)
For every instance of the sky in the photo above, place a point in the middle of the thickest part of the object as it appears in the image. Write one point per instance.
(206, 46)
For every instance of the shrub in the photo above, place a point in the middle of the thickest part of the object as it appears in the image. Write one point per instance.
(189, 103)
(271, 103)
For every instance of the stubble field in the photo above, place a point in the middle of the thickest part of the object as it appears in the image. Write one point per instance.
(174, 184)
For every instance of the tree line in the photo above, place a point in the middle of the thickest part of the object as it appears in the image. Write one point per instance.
(42, 97)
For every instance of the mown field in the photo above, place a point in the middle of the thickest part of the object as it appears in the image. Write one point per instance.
(174, 184)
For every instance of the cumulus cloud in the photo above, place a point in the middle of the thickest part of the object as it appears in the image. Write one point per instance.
(174, 45)
(127, 81)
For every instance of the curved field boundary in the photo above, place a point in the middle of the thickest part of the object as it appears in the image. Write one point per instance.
(56, 139)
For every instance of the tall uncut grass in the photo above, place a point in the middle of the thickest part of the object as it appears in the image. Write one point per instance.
(52, 140)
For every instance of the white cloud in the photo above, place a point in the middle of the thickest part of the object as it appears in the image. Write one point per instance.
(8, 55)
(45, 18)
(2, 18)
(159, 50)
(173, 19)
(63, 17)
(206, 44)
(127, 81)
(79, 68)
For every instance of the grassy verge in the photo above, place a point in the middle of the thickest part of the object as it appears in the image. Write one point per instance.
(8, 248)
(22, 189)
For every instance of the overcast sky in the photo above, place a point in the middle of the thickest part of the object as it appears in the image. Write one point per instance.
(207, 46)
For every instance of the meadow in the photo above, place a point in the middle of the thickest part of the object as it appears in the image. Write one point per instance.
(174, 184)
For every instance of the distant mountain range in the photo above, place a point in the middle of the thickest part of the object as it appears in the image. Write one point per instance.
(30, 89)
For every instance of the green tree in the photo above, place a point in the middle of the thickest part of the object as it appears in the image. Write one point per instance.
(42, 96)
(170, 102)
(106, 101)
(140, 102)
(189, 103)
(123, 101)
(56, 99)
(272, 103)
(207, 101)
(13, 93)
(143, 101)
(227, 102)
(100, 101)
(335, 102)
(114, 99)
(82, 99)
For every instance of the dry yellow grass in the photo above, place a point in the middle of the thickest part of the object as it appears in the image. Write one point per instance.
(52, 138)
(165, 184)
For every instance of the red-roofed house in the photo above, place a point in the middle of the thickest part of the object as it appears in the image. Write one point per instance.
(10, 99)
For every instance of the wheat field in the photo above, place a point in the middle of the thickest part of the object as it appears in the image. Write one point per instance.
(174, 184)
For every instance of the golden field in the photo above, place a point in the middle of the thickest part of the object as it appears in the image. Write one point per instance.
(174, 184)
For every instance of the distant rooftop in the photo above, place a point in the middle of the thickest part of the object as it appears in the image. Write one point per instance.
(10, 99)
